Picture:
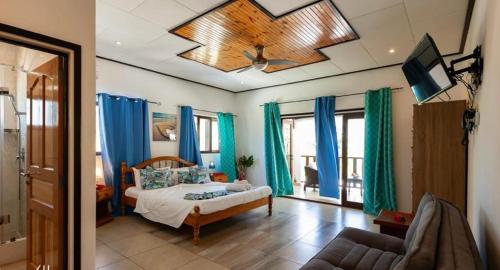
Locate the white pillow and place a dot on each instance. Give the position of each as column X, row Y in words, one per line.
column 137, row 177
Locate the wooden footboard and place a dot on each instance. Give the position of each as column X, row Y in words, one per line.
column 196, row 220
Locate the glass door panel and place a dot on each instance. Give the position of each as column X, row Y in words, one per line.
column 353, row 156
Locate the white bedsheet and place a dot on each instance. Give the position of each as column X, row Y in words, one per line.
column 167, row 205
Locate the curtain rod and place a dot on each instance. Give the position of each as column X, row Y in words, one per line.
column 339, row 96
column 200, row 110
column 117, row 96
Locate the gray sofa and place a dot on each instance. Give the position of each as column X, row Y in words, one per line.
column 438, row 238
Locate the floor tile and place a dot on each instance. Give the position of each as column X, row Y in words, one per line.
column 217, row 249
column 202, row 264
column 106, row 255
column 164, row 257
column 267, row 242
column 322, row 235
column 272, row 262
column 298, row 252
column 136, row 244
column 14, row 266
column 240, row 257
column 122, row 265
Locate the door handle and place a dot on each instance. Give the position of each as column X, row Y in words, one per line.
column 29, row 174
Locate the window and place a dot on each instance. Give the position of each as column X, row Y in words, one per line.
column 208, row 133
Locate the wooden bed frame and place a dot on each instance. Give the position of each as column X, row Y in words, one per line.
column 194, row 219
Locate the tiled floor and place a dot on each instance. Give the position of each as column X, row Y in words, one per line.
column 14, row 266
column 354, row 195
column 296, row 231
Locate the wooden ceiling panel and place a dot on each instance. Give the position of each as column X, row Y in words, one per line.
column 239, row 25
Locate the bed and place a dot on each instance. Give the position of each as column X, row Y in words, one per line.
column 200, row 214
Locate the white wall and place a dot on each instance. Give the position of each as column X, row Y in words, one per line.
column 484, row 149
column 120, row 79
column 74, row 21
column 251, row 122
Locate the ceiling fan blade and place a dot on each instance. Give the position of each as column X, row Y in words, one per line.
column 245, row 69
column 281, row 62
column 248, row 55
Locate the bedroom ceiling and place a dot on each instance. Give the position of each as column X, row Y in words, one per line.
column 226, row 32
column 136, row 32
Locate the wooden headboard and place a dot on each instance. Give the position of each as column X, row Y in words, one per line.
column 157, row 162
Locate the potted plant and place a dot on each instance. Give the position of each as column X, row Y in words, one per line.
column 244, row 163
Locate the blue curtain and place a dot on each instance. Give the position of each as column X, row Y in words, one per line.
column 227, row 148
column 188, row 143
column 327, row 153
column 378, row 186
column 124, row 127
column 277, row 172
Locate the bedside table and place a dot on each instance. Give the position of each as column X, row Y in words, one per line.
column 218, row 177
column 388, row 224
column 103, row 197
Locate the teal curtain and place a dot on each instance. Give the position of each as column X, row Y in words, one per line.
column 277, row 173
column 379, row 188
column 226, row 147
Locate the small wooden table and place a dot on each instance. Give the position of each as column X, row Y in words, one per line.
column 103, row 197
column 389, row 225
column 218, row 177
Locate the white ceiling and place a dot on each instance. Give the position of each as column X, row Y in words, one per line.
column 141, row 26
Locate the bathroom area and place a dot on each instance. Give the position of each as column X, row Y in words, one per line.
column 17, row 70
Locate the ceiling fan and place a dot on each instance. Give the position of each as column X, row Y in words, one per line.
column 261, row 63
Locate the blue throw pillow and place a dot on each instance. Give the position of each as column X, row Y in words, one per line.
column 154, row 179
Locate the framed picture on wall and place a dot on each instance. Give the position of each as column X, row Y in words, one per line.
column 164, row 127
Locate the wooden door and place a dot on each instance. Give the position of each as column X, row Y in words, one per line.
column 439, row 158
column 46, row 229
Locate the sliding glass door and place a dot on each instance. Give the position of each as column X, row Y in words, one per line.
column 300, row 145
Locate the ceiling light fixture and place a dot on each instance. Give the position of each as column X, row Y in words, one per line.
column 119, row 43
column 392, row 51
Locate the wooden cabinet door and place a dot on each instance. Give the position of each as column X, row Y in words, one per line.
column 45, row 167
column 439, row 158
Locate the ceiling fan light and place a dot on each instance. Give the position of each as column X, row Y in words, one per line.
column 260, row 66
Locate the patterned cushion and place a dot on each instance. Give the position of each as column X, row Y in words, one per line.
column 200, row 175
column 154, row 179
column 184, row 177
column 194, row 176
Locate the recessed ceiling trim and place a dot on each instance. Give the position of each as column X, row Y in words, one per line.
column 164, row 74
column 336, row 75
column 323, row 12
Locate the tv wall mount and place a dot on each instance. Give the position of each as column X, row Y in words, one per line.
column 470, row 77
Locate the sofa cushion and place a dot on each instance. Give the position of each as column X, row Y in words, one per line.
column 413, row 226
column 358, row 249
column 422, row 248
column 457, row 248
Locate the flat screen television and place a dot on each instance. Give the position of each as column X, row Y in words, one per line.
column 426, row 71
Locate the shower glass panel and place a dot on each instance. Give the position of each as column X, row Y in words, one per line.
column 12, row 188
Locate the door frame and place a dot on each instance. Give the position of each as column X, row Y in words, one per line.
column 71, row 52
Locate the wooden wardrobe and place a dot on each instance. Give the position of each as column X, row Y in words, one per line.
column 439, row 158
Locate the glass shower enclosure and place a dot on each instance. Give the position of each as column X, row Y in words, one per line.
column 12, row 182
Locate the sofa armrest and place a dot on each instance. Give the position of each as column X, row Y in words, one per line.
column 373, row 240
